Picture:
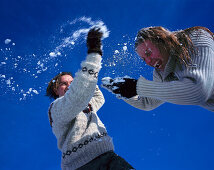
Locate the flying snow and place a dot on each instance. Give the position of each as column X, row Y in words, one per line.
column 7, row 41
column 110, row 84
column 76, row 35
column 20, row 72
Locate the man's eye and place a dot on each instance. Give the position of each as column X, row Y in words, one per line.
column 63, row 83
column 148, row 53
column 143, row 58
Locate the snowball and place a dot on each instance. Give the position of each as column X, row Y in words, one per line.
column 52, row 54
column 124, row 48
column 8, row 82
column 106, row 80
column 2, row 76
column 35, row 91
column 119, row 80
column 7, row 41
column 116, row 52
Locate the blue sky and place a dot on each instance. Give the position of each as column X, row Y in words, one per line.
column 171, row 137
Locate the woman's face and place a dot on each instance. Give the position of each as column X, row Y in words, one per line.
column 151, row 55
column 64, row 83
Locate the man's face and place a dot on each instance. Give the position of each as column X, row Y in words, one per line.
column 64, row 83
column 151, row 55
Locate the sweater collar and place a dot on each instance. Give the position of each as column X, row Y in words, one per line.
column 170, row 67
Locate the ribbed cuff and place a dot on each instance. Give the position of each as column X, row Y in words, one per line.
column 94, row 57
column 92, row 62
column 140, row 86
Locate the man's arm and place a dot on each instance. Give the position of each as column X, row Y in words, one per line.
column 97, row 100
column 82, row 88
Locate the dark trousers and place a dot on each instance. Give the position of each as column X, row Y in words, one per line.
column 107, row 161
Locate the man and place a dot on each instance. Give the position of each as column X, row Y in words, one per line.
column 82, row 137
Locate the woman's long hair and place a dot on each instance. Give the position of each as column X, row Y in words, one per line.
column 176, row 44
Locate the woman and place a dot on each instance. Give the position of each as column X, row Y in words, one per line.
column 81, row 136
column 183, row 74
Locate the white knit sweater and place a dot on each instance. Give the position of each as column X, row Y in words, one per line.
column 178, row 84
column 81, row 136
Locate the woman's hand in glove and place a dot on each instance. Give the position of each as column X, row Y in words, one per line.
column 124, row 86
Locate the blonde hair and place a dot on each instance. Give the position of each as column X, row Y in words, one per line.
column 177, row 44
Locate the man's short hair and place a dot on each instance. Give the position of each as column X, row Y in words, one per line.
column 54, row 84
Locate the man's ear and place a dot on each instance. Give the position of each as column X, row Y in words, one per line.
column 55, row 91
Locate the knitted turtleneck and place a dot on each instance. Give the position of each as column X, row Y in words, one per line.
column 80, row 134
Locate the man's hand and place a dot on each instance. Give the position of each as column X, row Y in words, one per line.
column 94, row 41
column 124, row 86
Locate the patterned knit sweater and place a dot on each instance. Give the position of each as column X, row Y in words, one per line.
column 80, row 134
column 180, row 84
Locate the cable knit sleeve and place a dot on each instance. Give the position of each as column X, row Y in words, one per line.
column 195, row 84
column 97, row 100
column 80, row 91
column 146, row 103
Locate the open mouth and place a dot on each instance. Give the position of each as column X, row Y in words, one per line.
column 158, row 64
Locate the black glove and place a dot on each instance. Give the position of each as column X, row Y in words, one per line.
column 94, row 41
column 126, row 87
